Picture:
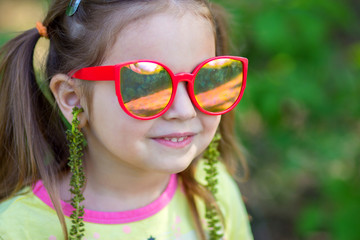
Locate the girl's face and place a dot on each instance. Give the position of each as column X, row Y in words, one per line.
column 166, row 144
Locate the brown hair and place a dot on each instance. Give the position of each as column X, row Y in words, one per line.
column 31, row 130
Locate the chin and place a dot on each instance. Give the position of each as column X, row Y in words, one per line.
column 176, row 166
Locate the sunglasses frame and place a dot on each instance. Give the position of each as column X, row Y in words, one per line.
column 112, row 73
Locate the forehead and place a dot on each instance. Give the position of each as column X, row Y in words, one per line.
column 165, row 37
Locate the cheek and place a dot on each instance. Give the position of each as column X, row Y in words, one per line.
column 106, row 113
column 110, row 120
column 211, row 123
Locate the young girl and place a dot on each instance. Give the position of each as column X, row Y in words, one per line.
column 140, row 83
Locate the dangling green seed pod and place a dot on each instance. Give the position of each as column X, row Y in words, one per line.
column 76, row 142
column 211, row 157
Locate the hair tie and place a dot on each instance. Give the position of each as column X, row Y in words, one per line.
column 42, row 30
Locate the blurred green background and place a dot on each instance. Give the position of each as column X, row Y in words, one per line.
column 299, row 119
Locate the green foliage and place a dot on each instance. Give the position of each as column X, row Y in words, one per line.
column 211, row 156
column 76, row 143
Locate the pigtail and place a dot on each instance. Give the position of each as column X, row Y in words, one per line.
column 31, row 133
column 17, row 80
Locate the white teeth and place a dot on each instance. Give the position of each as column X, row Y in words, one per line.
column 175, row 139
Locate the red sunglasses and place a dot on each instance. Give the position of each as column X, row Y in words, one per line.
column 146, row 89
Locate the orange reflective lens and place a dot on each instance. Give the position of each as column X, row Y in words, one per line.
column 218, row 84
column 146, row 88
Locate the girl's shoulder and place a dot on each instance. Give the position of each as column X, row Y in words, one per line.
column 13, row 204
column 20, row 213
column 13, row 210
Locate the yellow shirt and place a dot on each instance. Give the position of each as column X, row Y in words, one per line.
column 31, row 216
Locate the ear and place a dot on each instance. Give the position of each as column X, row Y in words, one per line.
column 67, row 96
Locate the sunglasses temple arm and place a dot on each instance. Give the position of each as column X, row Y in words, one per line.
column 100, row 73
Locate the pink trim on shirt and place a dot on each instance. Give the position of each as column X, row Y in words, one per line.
column 114, row 217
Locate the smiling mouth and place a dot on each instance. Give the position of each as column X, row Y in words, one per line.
column 177, row 140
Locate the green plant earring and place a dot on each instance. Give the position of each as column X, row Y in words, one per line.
column 211, row 157
column 76, row 143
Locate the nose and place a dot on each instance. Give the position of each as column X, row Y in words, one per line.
column 182, row 108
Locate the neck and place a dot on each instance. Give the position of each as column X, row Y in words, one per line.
column 114, row 187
